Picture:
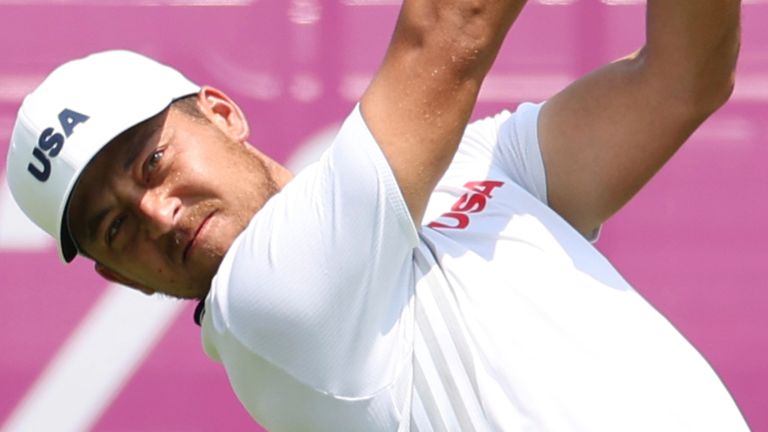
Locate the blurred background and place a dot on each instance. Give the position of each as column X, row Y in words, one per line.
column 79, row 354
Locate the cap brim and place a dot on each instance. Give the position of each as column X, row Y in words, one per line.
column 68, row 249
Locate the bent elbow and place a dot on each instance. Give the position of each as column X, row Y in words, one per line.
column 701, row 94
column 712, row 92
column 701, row 82
column 718, row 75
column 716, row 80
column 723, row 91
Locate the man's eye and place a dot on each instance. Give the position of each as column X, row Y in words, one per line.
column 114, row 228
column 152, row 162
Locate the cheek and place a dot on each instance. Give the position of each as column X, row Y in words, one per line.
column 153, row 272
column 223, row 231
column 234, row 183
column 205, row 178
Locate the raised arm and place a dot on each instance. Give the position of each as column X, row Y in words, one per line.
column 420, row 100
column 605, row 136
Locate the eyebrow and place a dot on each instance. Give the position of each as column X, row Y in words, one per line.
column 137, row 142
column 95, row 222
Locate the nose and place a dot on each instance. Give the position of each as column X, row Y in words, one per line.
column 158, row 211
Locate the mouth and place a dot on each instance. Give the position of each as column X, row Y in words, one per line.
column 193, row 240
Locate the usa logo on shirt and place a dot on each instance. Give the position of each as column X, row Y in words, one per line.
column 473, row 201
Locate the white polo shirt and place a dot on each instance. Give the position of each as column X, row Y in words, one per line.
column 332, row 312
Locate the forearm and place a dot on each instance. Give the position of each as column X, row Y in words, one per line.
column 420, row 100
column 607, row 134
column 468, row 33
column 694, row 45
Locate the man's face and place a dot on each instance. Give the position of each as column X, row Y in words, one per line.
column 160, row 207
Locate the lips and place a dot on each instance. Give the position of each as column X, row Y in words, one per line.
column 195, row 236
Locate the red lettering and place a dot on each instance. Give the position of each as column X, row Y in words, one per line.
column 473, row 203
column 462, row 221
column 483, row 187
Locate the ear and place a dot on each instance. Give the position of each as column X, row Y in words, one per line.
column 113, row 276
column 224, row 113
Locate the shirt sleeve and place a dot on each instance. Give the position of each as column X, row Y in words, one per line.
column 509, row 142
column 319, row 281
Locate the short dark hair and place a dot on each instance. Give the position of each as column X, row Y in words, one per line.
column 188, row 105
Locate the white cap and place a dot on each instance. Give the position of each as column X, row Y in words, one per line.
column 79, row 108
